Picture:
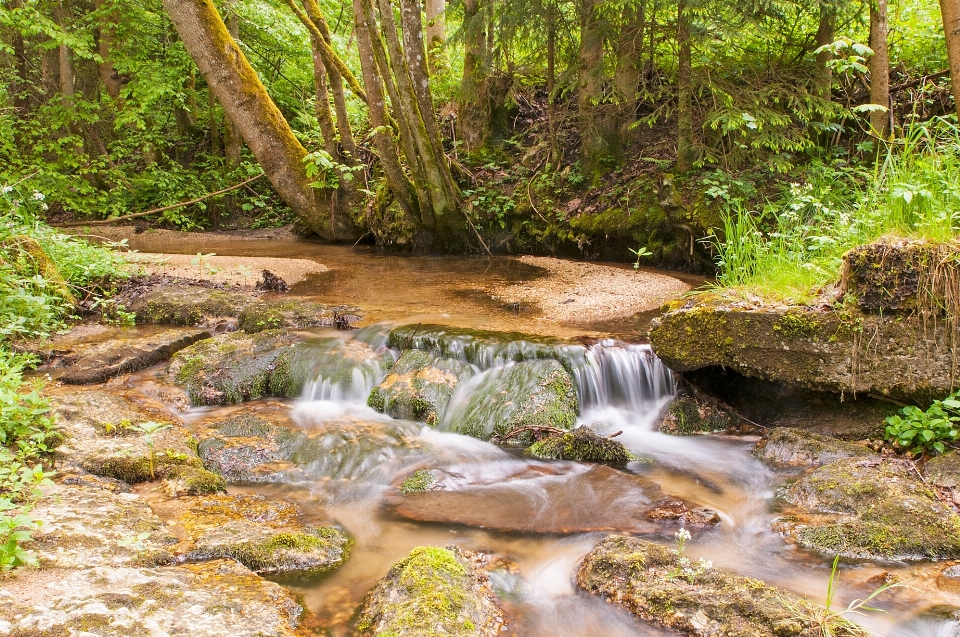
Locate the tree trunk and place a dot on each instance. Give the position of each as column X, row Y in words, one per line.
column 105, row 43
column 436, row 35
column 626, row 80
column 245, row 100
column 555, row 153
column 594, row 128
column 684, row 91
column 825, row 36
column 473, row 107
column 18, row 88
column 950, row 11
column 879, row 68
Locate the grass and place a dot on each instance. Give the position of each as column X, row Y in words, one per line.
column 793, row 248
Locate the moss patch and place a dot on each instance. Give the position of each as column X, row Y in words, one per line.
column 582, row 445
column 420, row 481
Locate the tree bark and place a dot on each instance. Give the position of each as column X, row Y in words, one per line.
column 879, row 68
column 473, row 107
column 593, row 141
column 626, row 80
column 950, row 11
column 825, row 36
column 436, row 35
column 232, row 141
column 112, row 81
column 684, row 91
column 244, row 98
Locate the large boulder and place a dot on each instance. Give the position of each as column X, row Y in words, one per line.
column 419, row 386
column 510, row 403
column 797, row 447
column 689, row 415
column 696, row 599
column 433, row 591
column 109, row 435
column 235, row 367
column 264, row 535
column 100, row 362
column 214, row 599
column 880, row 509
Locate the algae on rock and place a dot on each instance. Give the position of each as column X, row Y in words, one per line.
column 689, row 415
column 184, row 303
column 581, row 445
column 433, row 592
column 419, row 386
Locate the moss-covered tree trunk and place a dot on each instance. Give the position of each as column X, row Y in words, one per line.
column 950, row 11
column 879, row 67
column 684, row 90
column 473, row 103
column 825, row 36
column 626, row 80
column 436, row 35
column 595, row 127
column 245, row 100
column 105, row 42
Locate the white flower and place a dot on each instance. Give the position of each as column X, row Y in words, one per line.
column 44, row 206
column 5, row 189
column 683, row 535
column 38, row 195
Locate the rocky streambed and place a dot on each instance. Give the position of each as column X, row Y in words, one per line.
column 236, row 466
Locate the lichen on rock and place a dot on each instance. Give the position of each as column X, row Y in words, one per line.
column 433, row 592
column 419, row 386
column 648, row 580
column 879, row 509
column 581, row 445
column 292, row 314
column 797, row 447
column 172, row 303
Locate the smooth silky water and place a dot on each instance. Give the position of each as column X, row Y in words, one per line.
column 621, row 387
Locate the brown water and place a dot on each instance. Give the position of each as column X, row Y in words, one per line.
column 542, row 517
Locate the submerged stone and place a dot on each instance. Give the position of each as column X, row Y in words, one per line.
column 105, row 434
column 419, row 386
column 880, row 510
column 582, row 445
column 798, row 447
column 650, row 581
column 689, row 415
column 101, row 362
column 508, row 403
column 213, row 599
column 433, row 592
column 687, row 515
column 262, row 534
column 236, row 367
column 484, row 348
column 294, row 314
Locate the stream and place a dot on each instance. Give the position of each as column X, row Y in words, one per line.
column 543, row 517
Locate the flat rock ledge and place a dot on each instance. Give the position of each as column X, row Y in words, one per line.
column 433, row 591
column 648, row 580
column 797, row 447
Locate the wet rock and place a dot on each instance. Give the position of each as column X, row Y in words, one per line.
column 97, row 482
column 270, row 282
column 419, row 386
column 86, row 526
column 245, row 447
column 101, row 362
column 433, row 591
column 235, row 367
column 336, row 369
column 292, row 314
column 905, row 357
column 647, row 579
column 798, row 447
column 581, row 445
column 944, row 470
column 420, row 481
column 509, row 402
column 689, row 415
column 484, row 348
column 879, row 510
column 686, row 514
column 192, row 481
column 214, row 599
column 949, row 579
column 262, row 534
column 536, row 498
column 104, row 435
column 172, row 303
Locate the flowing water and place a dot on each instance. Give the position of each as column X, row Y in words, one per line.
column 543, row 517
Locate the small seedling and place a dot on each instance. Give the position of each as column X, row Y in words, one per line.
column 198, row 261
column 150, row 428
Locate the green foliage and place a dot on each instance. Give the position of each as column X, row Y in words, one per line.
column 149, row 429
column 929, row 431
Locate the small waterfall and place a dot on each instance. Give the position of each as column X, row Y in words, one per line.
column 352, row 386
column 614, row 374
column 342, row 371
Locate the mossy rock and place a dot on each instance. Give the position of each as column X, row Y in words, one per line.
column 885, row 276
column 101, row 436
column 419, row 386
column 184, row 304
column 944, row 470
column 581, row 445
column 261, row 534
column 433, row 592
column 235, row 367
column 797, row 447
column 292, row 314
column 648, row 580
column 193, row 481
column 689, row 415
column 881, row 510
column 484, row 348
column 420, row 481
column 519, row 396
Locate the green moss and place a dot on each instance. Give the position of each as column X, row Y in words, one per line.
column 581, row 445
column 198, row 481
column 797, row 324
column 420, row 481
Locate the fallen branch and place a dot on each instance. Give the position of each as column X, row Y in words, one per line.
column 135, row 215
column 517, row 432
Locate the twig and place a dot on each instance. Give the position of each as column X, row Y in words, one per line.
column 516, row 432
column 105, row 222
column 479, row 238
column 614, row 435
column 404, row 350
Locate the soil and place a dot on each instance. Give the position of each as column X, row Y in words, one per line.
column 234, row 271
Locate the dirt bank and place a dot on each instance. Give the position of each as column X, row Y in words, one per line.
column 241, row 271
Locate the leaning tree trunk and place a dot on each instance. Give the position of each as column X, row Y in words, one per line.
column 950, row 10
column 684, row 91
column 245, row 100
column 879, row 68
